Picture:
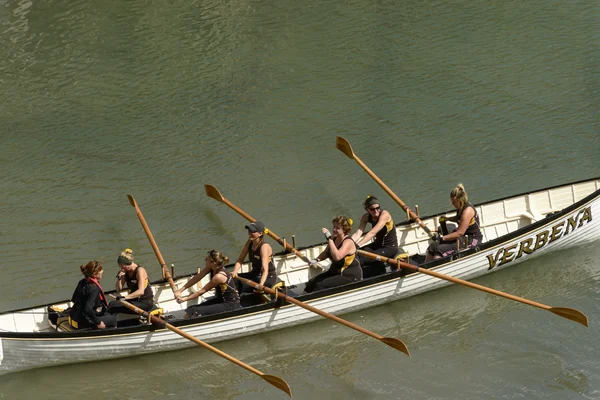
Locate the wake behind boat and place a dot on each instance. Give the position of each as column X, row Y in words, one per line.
column 515, row 229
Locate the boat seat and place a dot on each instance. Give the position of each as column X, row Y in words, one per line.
column 63, row 325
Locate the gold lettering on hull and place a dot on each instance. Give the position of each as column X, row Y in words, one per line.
column 507, row 254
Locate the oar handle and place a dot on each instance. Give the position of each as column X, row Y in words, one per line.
column 159, row 256
column 396, row 343
column 274, row 380
column 573, row 315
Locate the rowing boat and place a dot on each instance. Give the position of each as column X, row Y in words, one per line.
column 515, row 229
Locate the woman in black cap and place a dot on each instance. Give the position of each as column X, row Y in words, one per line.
column 135, row 278
column 383, row 233
column 226, row 295
column 89, row 303
column 260, row 255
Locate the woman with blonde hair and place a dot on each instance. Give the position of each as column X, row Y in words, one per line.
column 135, row 278
column 341, row 249
column 468, row 231
column 89, row 302
column 226, row 296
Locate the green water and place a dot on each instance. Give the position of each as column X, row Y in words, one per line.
column 104, row 99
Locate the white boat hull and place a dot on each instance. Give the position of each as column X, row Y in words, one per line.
column 27, row 340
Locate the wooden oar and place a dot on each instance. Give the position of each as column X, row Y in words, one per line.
column 344, row 146
column 392, row 342
column 213, row 192
column 272, row 379
column 159, row 256
column 568, row 313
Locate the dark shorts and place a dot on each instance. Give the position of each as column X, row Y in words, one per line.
column 446, row 248
column 242, row 288
column 212, row 306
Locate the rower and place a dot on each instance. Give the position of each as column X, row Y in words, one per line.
column 226, row 298
column 260, row 254
column 383, row 233
column 468, row 231
column 135, row 278
column 341, row 249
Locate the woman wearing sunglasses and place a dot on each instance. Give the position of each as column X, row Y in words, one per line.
column 226, row 296
column 383, row 233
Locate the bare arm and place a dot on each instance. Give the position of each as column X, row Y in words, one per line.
column 195, row 279
column 216, row 280
column 141, row 278
column 240, row 260
column 361, row 228
column 463, row 224
column 265, row 256
column 384, row 218
column 348, row 247
column 120, row 281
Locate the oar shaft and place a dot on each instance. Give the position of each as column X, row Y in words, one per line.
column 213, row 192
column 345, row 147
column 286, row 245
column 393, row 195
column 316, row 310
column 581, row 318
column 159, row 256
column 207, row 346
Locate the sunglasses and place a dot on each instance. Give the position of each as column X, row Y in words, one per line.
column 376, row 208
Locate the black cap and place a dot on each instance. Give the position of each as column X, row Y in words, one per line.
column 256, row 226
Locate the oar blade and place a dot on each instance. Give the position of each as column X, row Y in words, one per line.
column 397, row 344
column 213, row 192
column 570, row 313
column 278, row 383
column 131, row 200
column 344, row 146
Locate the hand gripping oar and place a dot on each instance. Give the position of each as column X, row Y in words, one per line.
column 272, row 379
column 344, row 146
column 392, row 342
column 212, row 191
column 159, row 256
column 568, row 313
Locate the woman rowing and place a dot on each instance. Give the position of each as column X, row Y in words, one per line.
column 341, row 249
column 135, row 278
column 226, row 295
column 383, row 234
column 468, row 231
column 89, row 302
column 260, row 255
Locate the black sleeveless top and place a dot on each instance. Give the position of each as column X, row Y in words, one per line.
column 226, row 292
column 386, row 237
column 133, row 285
column 473, row 230
column 347, row 266
column 256, row 260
